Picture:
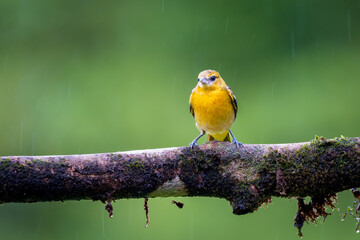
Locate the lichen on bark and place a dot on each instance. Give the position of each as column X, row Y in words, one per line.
column 246, row 176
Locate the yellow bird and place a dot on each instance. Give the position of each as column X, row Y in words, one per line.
column 214, row 107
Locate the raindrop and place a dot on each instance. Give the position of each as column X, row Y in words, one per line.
column 191, row 223
column 292, row 43
column 103, row 222
column 173, row 89
column 39, row 225
column 69, row 89
column 317, row 39
column 272, row 89
column 33, row 144
column 21, row 135
column 226, row 26
column 349, row 24
column 277, row 233
column 5, row 62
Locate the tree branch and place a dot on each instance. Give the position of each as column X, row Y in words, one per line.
column 246, row 177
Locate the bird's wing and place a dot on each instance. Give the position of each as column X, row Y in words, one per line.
column 191, row 108
column 232, row 100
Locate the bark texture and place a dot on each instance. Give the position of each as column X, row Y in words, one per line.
column 246, row 177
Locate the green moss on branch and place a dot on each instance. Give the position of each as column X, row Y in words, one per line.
column 247, row 177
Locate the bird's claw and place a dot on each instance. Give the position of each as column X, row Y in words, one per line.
column 239, row 144
column 192, row 144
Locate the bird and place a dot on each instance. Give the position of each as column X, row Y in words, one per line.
column 214, row 107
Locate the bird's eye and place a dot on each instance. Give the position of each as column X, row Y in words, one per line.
column 212, row 78
column 198, row 79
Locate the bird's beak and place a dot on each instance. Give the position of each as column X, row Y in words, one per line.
column 204, row 81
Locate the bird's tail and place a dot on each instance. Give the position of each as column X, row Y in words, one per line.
column 226, row 139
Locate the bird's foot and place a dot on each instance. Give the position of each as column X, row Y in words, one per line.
column 193, row 143
column 239, row 144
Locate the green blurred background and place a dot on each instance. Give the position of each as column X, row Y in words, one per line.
column 91, row 77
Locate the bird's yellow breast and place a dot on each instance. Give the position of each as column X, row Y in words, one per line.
column 213, row 111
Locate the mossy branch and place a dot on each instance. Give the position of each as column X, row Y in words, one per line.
column 246, row 177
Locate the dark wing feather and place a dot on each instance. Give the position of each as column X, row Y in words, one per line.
column 191, row 108
column 192, row 111
column 232, row 100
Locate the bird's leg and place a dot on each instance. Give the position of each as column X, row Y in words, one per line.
column 238, row 144
column 194, row 142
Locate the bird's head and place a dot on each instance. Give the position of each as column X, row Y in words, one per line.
column 210, row 79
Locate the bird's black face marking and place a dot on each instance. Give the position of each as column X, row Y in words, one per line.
column 212, row 78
